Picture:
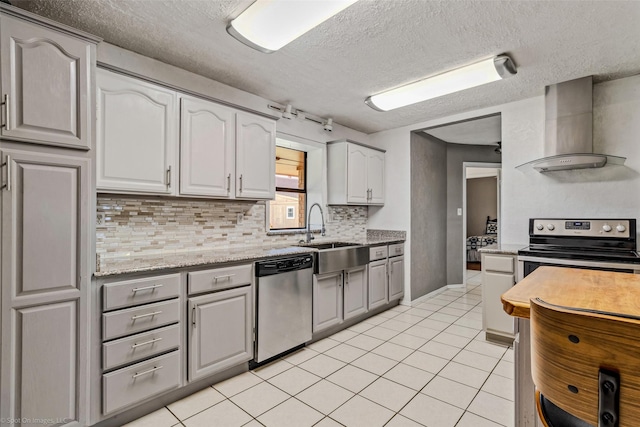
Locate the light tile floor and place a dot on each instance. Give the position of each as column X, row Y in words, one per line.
column 424, row 365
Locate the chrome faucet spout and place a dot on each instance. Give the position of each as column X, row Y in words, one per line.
column 309, row 236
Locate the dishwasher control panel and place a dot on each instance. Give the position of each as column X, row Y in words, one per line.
column 282, row 265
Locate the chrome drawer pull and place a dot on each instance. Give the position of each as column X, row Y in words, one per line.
column 139, row 374
column 140, row 316
column 227, row 277
column 228, row 183
column 146, row 342
column 7, row 116
column 146, row 288
column 379, row 253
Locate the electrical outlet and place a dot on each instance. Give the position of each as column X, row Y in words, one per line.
column 459, row 211
column 100, row 218
column 239, row 218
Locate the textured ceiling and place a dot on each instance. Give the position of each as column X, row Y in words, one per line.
column 375, row 45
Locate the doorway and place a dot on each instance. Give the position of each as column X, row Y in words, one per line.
column 481, row 210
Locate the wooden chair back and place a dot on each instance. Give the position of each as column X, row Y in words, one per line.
column 569, row 347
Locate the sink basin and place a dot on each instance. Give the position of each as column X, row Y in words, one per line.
column 338, row 256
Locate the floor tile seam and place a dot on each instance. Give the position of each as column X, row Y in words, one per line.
column 327, row 416
column 300, row 401
column 476, row 367
column 176, row 417
column 386, row 407
column 484, row 418
column 292, row 395
column 239, row 407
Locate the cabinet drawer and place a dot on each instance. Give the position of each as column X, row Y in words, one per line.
column 219, row 278
column 498, row 263
column 137, row 347
column 396, row 249
column 129, row 321
column 140, row 291
column 138, row 382
column 378, row 252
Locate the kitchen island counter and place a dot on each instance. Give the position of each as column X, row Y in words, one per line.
column 605, row 291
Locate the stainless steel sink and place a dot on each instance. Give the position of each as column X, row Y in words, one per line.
column 338, row 256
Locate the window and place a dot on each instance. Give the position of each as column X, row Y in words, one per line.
column 288, row 208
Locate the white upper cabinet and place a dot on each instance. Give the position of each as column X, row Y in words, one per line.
column 222, row 152
column 255, row 157
column 137, row 136
column 46, row 83
column 207, row 144
column 355, row 174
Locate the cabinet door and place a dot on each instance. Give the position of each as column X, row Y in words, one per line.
column 375, row 177
column 221, row 331
column 396, row 278
column 46, row 81
column 355, row 292
column 207, row 143
column 255, row 157
column 45, row 275
column 494, row 317
column 137, row 136
column 357, row 174
column 378, row 292
column 327, row 300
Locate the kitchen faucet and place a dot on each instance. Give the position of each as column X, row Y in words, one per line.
column 309, row 236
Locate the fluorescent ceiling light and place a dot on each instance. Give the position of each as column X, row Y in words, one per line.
column 477, row 74
column 267, row 25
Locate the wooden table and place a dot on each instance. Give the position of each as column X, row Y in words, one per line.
column 572, row 287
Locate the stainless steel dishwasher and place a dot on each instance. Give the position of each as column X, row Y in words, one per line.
column 283, row 305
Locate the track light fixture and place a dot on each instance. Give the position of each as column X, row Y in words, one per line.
column 288, row 112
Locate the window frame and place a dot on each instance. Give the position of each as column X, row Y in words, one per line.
column 295, row 190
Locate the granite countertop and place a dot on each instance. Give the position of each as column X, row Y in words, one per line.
column 135, row 263
column 504, row 249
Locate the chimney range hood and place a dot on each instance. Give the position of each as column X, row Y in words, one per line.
column 569, row 129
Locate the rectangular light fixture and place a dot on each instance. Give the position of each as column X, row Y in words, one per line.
column 479, row 73
column 268, row 25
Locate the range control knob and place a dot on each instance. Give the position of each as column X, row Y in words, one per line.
column 606, row 228
column 621, row 228
column 551, row 227
column 539, row 226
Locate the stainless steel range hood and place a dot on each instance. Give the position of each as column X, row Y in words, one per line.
column 569, row 129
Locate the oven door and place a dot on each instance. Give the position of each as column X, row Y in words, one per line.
column 527, row 264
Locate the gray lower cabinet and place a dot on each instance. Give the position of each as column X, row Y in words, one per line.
column 45, row 268
column 141, row 339
column 327, row 300
column 396, row 277
column 220, row 331
column 355, row 292
column 378, row 290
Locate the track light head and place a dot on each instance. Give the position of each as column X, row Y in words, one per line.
column 328, row 125
column 287, row 113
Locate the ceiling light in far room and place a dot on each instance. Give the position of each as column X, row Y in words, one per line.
column 287, row 114
column 328, row 125
column 268, row 25
column 479, row 73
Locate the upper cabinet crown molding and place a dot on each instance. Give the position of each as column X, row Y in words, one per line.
column 356, row 173
column 47, row 81
column 222, row 152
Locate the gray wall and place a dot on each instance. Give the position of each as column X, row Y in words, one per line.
column 482, row 201
column 457, row 154
column 428, row 214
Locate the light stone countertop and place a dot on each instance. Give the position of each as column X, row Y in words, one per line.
column 135, row 263
column 504, row 249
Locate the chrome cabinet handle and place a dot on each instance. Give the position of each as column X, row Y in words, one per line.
column 141, row 316
column 7, row 115
column 227, row 277
column 228, row 183
column 169, row 177
column 136, row 345
column 241, row 183
column 8, row 164
column 193, row 316
column 146, row 288
column 139, row 374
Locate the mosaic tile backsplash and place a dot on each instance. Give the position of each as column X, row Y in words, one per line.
column 129, row 225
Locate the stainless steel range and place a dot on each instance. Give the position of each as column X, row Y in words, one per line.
column 597, row 244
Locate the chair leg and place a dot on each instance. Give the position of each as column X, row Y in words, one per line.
column 539, row 409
